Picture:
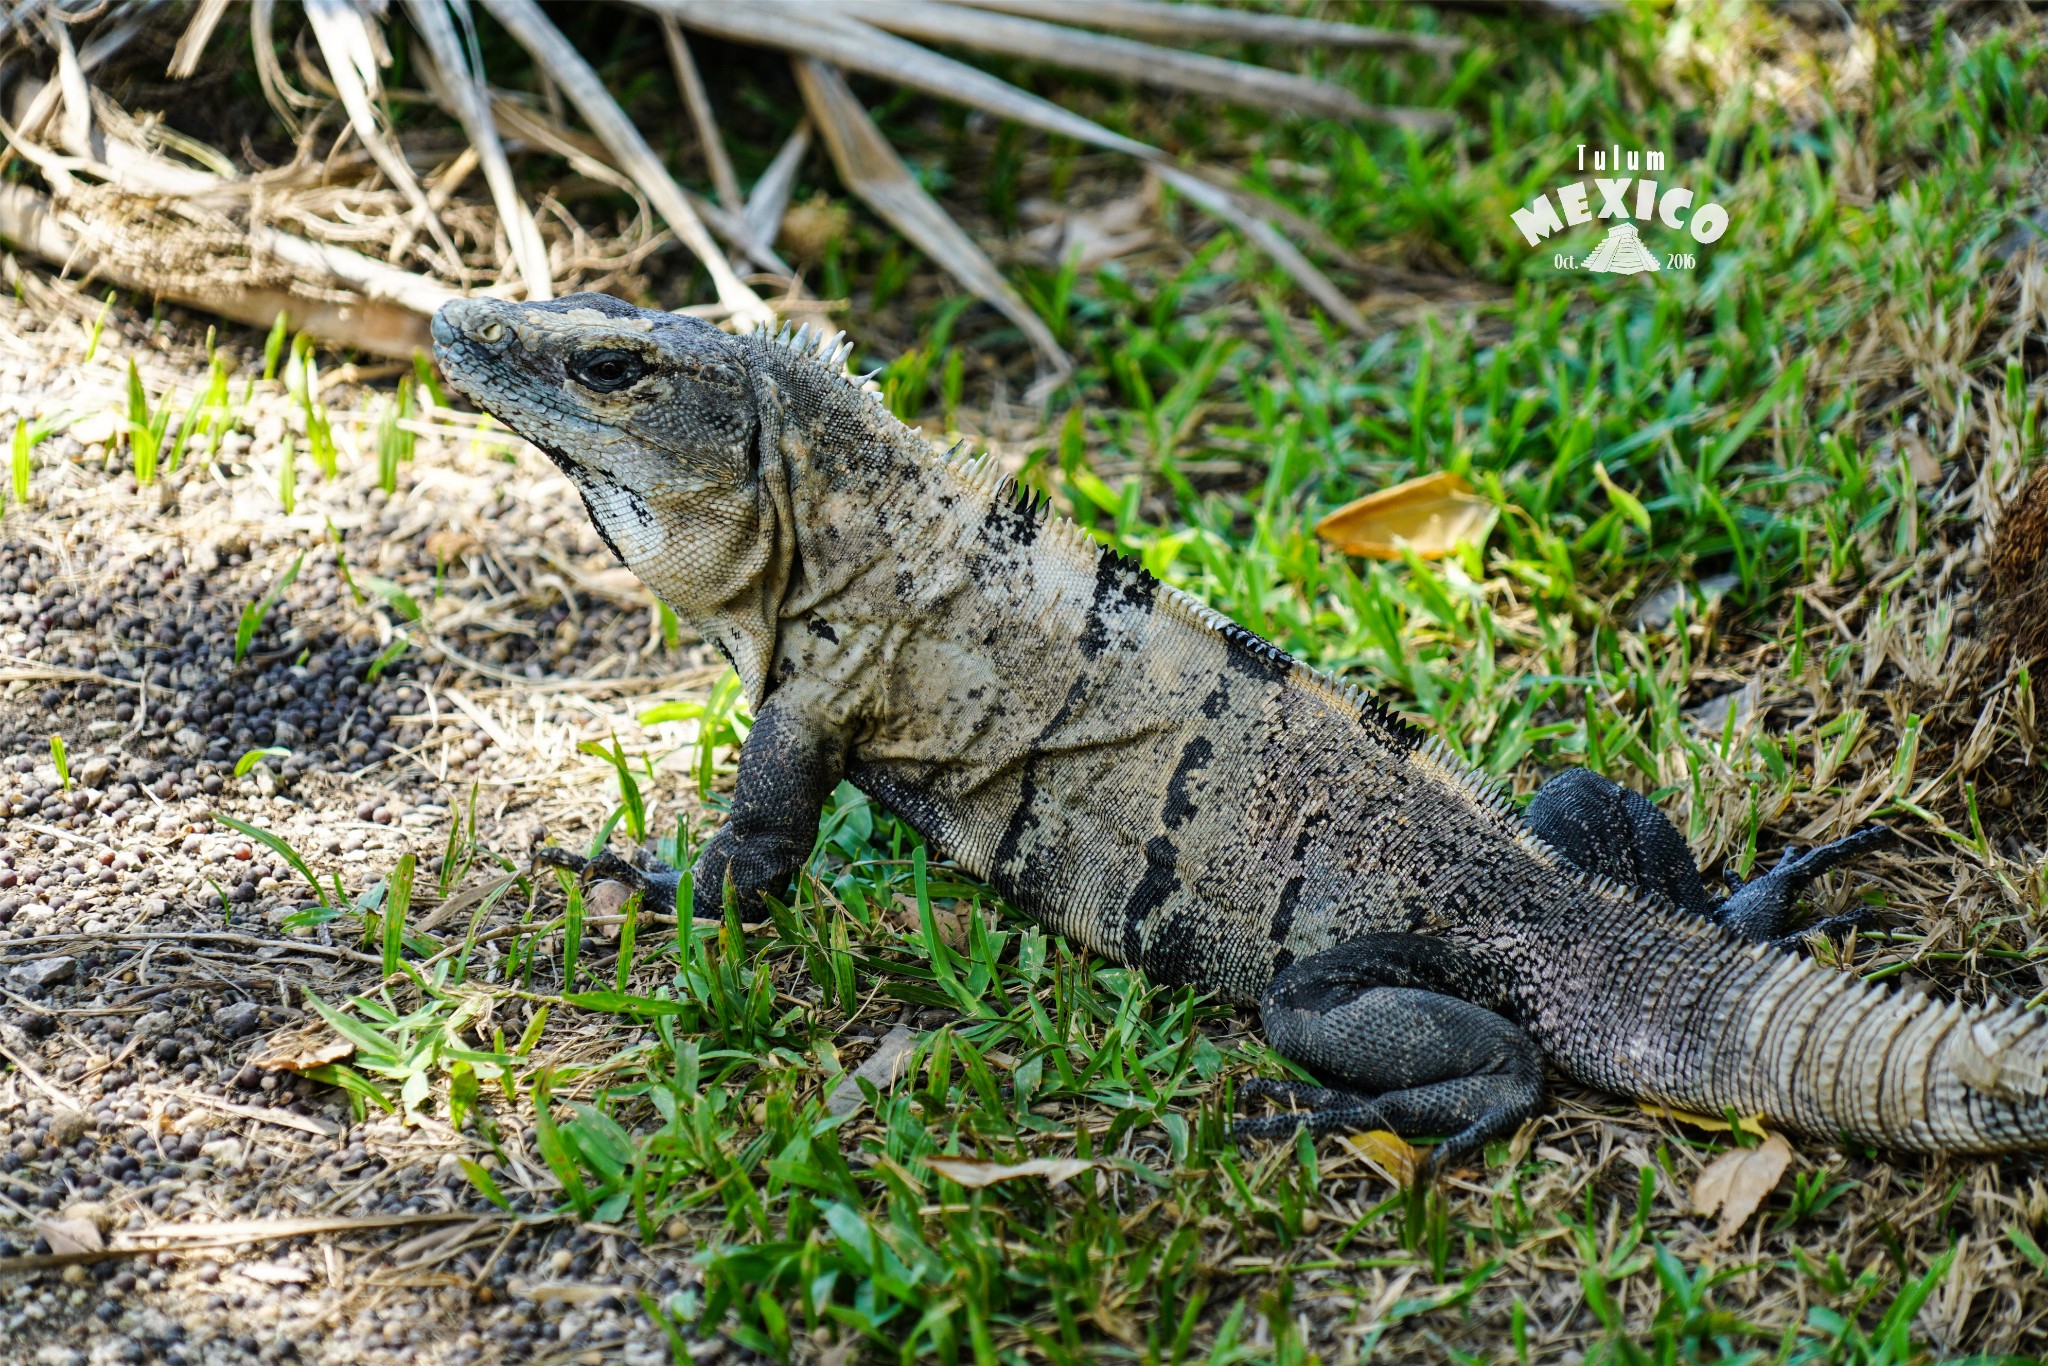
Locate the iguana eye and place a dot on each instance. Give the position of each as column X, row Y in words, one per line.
column 607, row 371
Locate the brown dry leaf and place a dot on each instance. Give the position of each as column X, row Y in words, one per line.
column 1090, row 237
column 950, row 921
column 974, row 1172
column 880, row 1069
column 1435, row 515
column 70, row 1235
column 1921, row 460
column 449, row 546
column 301, row 1048
column 1749, row 1124
column 1737, row 1181
column 1387, row 1153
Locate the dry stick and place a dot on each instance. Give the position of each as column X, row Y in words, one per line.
column 830, row 39
column 37, row 1079
column 343, row 36
column 284, row 1119
column 769, row 199
column 554, row 54
column 722, row 178
column 1125, row 59
column 1182, row 22
column 869, row 167
column 201, row 936
column 382, row 321
column 234, row 1233
column 460, row 88
column 185, row 57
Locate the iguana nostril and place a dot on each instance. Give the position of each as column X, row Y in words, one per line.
column 491, row 332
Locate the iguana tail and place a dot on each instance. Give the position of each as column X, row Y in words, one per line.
column 1717, row 1024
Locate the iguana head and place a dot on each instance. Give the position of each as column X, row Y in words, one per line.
column 670, row 430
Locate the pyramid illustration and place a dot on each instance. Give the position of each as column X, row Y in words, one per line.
column 1622, row 252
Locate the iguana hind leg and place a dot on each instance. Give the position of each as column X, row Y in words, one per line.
column 1605, row 828
column 1370, row 1017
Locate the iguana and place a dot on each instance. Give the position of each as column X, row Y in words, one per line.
column 1135, row 771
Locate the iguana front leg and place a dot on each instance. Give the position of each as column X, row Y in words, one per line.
column 1605, row 828
column 1371, row 1018
column 791, row 761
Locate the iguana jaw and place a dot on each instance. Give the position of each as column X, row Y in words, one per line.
column 657, row 419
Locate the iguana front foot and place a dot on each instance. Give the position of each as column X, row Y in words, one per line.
column 1371, row 1016
column 658, row 885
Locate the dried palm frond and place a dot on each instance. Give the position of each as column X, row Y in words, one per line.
column 92, row 165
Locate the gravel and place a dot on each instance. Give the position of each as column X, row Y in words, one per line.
column 151, row 949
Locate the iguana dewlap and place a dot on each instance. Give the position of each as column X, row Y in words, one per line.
column 1142, row 775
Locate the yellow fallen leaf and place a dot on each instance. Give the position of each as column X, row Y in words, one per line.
column 974, row 1172
column 1737, row 1181
column 1749, row 1124
column 1434, row 515
column 1387, row 1153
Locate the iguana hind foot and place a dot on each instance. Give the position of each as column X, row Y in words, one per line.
column 1764, row 907
column 1603, row 827
column 1399, row 1055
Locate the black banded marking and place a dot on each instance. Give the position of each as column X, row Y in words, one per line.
column 1290, row 895
column 1154, row 889
column 590, row 510
column 1121, row 585
column 1253, row 655
column 1180, row 807
column 821, row 628
column 1025, row 818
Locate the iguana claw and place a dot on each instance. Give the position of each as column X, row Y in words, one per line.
column 656, row 886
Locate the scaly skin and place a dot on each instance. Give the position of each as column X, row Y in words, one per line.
column 1136, row 772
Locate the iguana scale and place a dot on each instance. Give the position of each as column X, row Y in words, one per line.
column 1142, row 775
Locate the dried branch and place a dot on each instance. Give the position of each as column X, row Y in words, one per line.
column 389, row 322
column 460, row 87
column 554, row 54
column 698, row 103
column 1128, row 60
column 872, row 170
column 185, row 57
column 1183, row 22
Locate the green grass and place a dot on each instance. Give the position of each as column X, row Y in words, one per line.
column 1739, row 423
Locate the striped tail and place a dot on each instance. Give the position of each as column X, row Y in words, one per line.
column 1767, row 1032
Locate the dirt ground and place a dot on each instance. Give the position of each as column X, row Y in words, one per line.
column 143, row 955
